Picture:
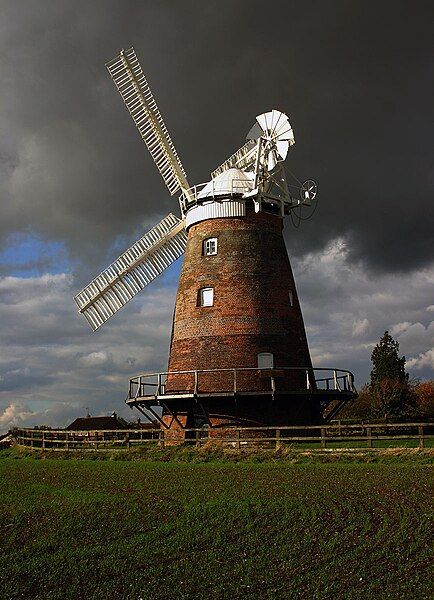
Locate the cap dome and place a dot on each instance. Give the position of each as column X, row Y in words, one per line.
column 231, row 181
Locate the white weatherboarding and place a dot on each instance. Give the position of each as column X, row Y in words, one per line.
column 252, row 173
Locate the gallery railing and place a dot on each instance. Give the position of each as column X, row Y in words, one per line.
column 272, row 380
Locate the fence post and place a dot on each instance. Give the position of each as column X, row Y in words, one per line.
column 273, row 387
column 421, row 440
column 278, row 444
column 323, row 438
column 161, row 438
column 43, row 440
column 368, row 437
column 238, row 439
column 127, row 440
column 197, row 435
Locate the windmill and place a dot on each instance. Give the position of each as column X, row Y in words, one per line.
column 239, row 351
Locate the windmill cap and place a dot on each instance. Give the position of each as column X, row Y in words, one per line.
column 231, row 181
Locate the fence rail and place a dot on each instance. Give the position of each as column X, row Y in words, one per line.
column 319, row 436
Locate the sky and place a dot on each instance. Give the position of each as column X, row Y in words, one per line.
column 77, row 185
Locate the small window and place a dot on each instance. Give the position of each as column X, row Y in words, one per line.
column 206, row 296
column 291, row 298
column 210, row 247
column 265, row 360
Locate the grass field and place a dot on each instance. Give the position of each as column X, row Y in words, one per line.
column 73, row 529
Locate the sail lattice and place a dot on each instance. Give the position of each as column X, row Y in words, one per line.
column 130, row 80
column 132, row 271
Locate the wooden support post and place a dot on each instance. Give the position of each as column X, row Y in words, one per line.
column 368, row 437
column 323, row 438
column 421, row 438
column 278, row 444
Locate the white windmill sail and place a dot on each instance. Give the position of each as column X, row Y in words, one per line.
column 128, row 76
column 279, row 135
column 275, row 130
column 132, row 271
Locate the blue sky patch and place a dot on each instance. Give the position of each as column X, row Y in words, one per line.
column 27, row 255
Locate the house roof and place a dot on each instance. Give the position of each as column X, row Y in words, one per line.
column 97, row 423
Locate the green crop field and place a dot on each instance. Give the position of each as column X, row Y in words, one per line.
column 108, row 529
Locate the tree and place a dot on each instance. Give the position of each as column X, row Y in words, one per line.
column 425, row 399
column 360, row 408
column 392, row 394
column 386, row 362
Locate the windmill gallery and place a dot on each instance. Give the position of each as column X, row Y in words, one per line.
column 239, row 353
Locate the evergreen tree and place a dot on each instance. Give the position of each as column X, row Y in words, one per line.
column 390, row 389
column 386, row 362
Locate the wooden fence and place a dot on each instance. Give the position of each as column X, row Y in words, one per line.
column 369, row 435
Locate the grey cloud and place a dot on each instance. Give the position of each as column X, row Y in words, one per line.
column 40, row 265
column 53, row 364
column 346, row 310
column 417, row 336
column 425, row 360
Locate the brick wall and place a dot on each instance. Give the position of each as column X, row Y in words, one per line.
column 256, row 307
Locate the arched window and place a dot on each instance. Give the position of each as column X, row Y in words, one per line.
column 210, row 247
column 265, row 360
column 206, row 297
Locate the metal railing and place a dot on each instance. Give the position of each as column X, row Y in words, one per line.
column 228, row 381
column 217, row 191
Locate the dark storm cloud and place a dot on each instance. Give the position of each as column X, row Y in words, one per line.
column 355, row 78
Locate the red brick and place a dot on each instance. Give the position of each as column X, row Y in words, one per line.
column 252, row 313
